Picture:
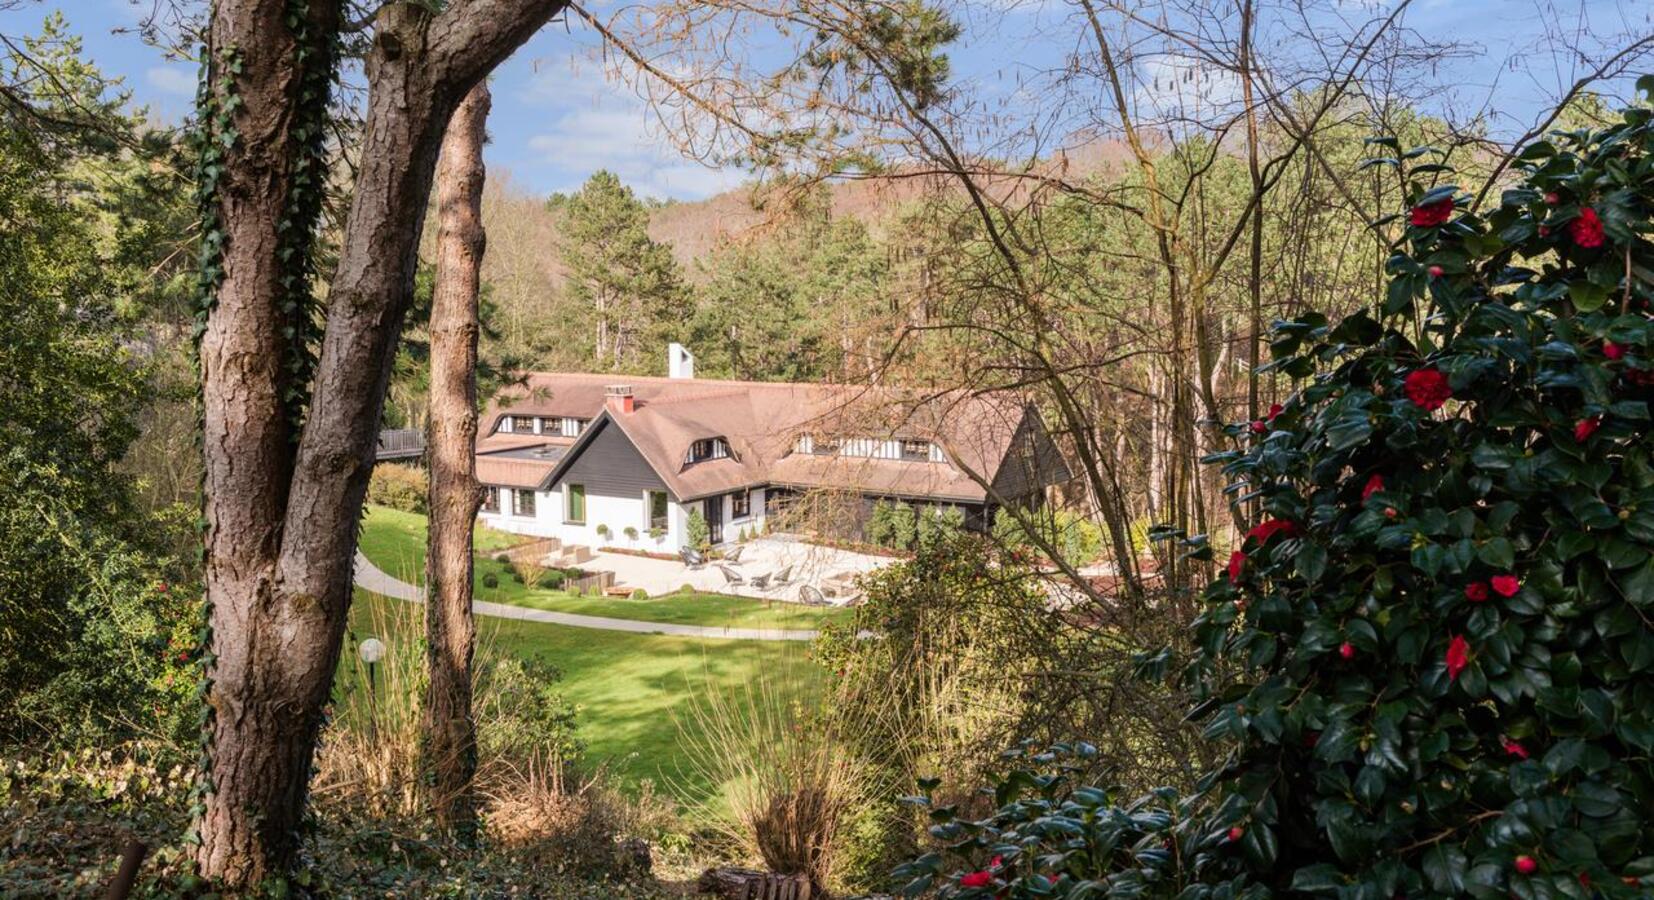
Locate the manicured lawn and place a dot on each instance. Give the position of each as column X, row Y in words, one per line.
column 395, row 542
column 635, row 692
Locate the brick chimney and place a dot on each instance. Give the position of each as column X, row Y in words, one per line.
column 619, row 400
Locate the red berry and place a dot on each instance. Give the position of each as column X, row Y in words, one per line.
column 1346, row 650
column 1236, row 833
column 1435, row 271
column 1390, row 512
column 1526, row 864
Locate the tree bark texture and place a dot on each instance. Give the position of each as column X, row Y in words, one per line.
column 282, row 518
column 450, row 753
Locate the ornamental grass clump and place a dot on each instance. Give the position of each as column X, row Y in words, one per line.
column 1433, row 655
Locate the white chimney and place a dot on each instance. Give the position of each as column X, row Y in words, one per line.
column 680, row 363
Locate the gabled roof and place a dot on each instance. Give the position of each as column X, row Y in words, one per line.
column 761, row 421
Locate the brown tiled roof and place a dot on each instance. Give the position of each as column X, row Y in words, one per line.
column 762, row 421
column 512, row 472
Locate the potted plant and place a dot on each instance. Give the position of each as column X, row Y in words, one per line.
column 604, row 532
column 631, row 535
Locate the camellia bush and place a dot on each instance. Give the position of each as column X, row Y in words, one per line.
column 1433, row 654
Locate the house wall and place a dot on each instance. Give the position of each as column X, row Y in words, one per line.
column 752, row 522
column 617, row 482
column 546, row 521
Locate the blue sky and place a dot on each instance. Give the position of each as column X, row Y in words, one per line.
column 556, row 118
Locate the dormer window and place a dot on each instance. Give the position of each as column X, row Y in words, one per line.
column 916, row 451
column 705, row 449
column 521, row 424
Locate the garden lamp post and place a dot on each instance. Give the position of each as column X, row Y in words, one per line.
column 371, row 651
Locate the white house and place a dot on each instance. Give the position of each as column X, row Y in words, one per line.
column 618, row 461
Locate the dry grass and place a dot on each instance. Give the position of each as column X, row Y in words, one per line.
column 789, row 785
column 531, row 798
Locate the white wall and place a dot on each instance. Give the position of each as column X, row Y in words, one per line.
column 615, row 512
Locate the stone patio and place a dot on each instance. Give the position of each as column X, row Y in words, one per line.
column 825, row 568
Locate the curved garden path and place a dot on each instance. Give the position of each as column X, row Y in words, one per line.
column 371, row 578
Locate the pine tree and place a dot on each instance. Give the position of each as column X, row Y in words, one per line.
column 629, row 282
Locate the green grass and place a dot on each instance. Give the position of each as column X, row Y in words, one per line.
column 395, row 542
column 634, row 691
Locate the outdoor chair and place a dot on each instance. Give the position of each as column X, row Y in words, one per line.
column 810, row 596
column 760, row 581
column 733, row 554
column 783, row 577
column 731, row 576
column 692, row 557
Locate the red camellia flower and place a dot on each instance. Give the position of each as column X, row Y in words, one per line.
column 996, row 862
column 1237, row 565
column 1587, row 427
column 1515, row 750
column 1431, row 215
column 1475, row 592
column 1613, row 350
column 1374, row 485
column 1506, row 585
column 1526, row 864
column 1427, row 388
column 1263, row 531
column 1274, row 410
column 1458, row 656
column 976, row 879
column 1258, row 426
column 1586, row 230
column 1346, row 650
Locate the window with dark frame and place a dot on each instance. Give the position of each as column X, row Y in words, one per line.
column 522, row 424
column 916, row 450
column 707, row 448
column 576, row 512
column 524, row 502
column 740, row 504
column 657, row 510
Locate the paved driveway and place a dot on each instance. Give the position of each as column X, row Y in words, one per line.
column 371, row 578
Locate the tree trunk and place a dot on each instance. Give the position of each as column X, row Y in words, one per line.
column 450, row 752
column 281, row 526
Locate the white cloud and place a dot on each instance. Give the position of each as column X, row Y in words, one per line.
column 606, row 126
column 176, row 80
column 1177, row 88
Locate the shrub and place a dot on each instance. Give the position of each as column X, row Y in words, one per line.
column 937, row 524
column 490, row 580
column 604, row 532
column 696, row 532
column 1077, row 539
column 528, row 570
column 638, row 594
column 791, row 786
column 877, row 530
column 631, row 533
column 657, row 533
column 904, row 529
column 1431, row 656
column 398, row 486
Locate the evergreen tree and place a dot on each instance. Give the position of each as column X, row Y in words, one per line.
column 628, row 284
